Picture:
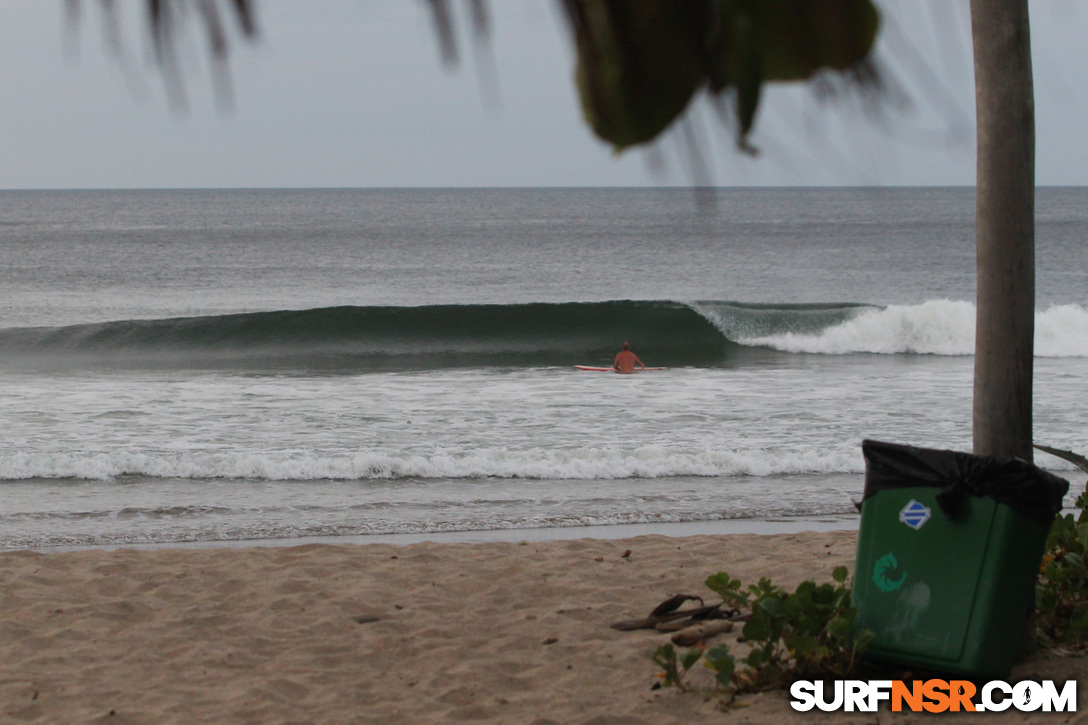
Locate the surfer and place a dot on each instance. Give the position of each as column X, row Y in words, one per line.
column 626, row 360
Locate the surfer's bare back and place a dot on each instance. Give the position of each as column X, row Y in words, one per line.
column 626, row 360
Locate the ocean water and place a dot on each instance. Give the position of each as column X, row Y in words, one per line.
column 199, row 366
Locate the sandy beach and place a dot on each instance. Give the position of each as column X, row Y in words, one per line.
column 381, row 633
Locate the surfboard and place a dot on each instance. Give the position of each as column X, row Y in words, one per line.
column 591, row 368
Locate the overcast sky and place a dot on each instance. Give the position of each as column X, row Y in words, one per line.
column 352, row 93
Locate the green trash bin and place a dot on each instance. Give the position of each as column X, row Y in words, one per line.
column 948, row 553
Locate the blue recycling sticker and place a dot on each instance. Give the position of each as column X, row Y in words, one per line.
column 915, row 514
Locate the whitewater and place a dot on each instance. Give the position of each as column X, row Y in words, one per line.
column 936, row 327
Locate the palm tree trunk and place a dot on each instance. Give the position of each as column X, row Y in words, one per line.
column 1005, row 106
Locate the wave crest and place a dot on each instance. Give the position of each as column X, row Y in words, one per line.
column 936, row 327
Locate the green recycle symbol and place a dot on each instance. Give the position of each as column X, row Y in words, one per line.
column 884, row 565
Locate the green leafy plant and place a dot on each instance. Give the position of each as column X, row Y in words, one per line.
column 792, row 635
column 795, row 634
column 1061, row 591
column 673, row 666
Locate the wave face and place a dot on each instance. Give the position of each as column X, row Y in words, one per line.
column 707, row 333
column 350, row 338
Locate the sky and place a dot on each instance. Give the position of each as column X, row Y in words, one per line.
column 353, row 93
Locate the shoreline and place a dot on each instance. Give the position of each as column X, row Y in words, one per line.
column 722, row 527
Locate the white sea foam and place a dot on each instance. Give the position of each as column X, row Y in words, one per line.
column 574, row 464
column 936, row 327
column 1062, row 331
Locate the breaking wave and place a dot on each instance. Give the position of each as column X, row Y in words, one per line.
column 704, row 333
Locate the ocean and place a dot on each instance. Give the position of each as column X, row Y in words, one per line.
column 353, row 365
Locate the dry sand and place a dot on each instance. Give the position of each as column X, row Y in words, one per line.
column 380, row 633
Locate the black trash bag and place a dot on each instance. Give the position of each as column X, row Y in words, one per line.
column 1028, row 489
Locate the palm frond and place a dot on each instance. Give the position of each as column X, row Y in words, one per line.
column 1075, row 458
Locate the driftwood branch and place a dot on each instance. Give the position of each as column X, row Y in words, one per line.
column 701, row 632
